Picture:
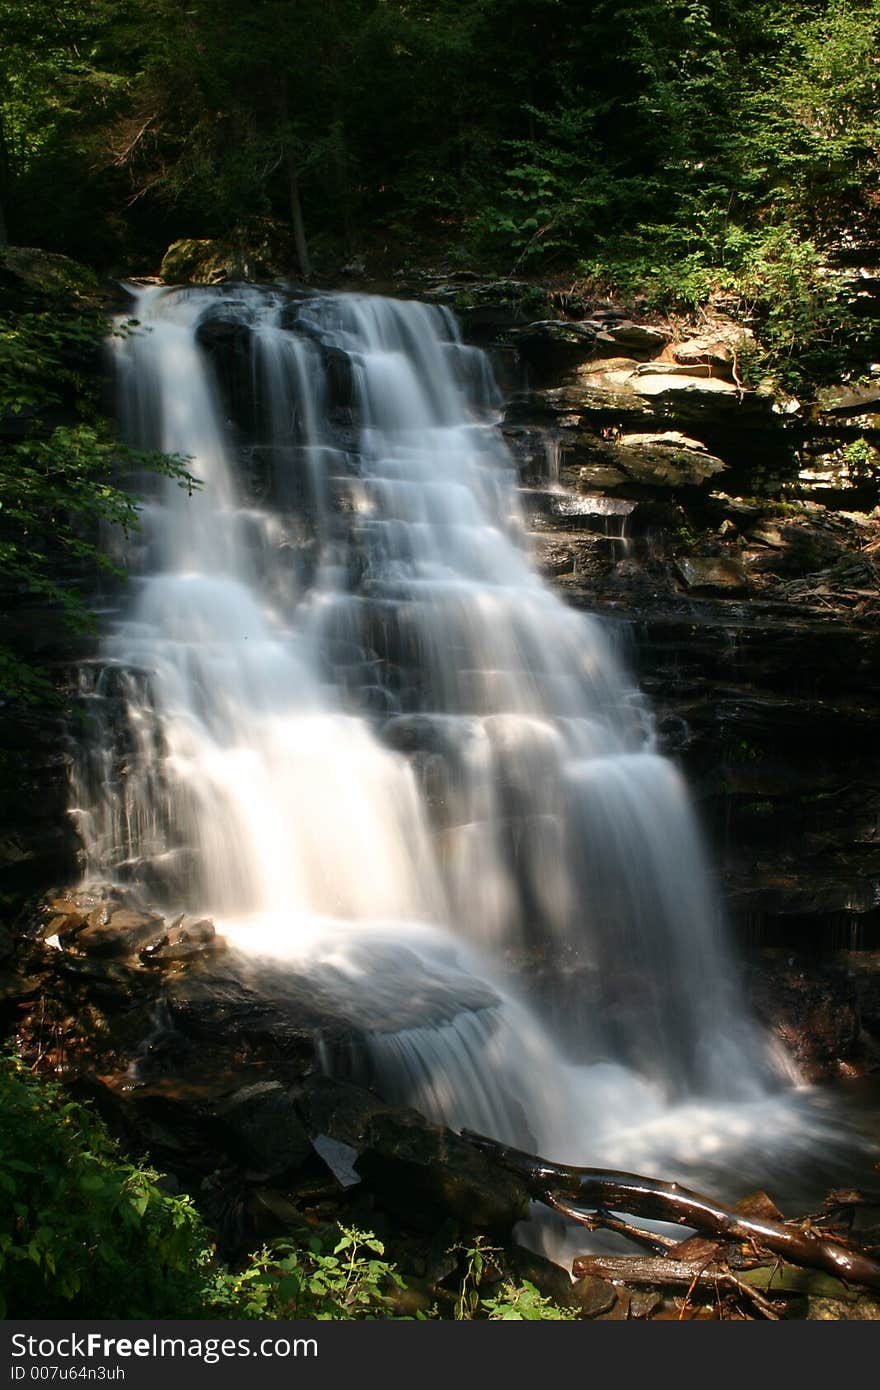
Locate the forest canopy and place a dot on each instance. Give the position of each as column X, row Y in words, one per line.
column 518, row 134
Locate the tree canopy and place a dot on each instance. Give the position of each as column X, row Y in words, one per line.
column 516, row 131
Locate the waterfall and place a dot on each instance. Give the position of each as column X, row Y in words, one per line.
column 341, row 714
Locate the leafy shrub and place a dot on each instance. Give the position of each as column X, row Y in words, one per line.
column 512, row 1303
column 351, row 1281
column 59, row 483
column 83, row 1233
column 86, row 1233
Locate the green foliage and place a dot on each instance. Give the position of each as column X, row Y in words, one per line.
column 83, row 1233
column 523, row 1303
column 654, row 135
column 512, row 1302
column 86, row 1233
column 350, row 1281
column 861, row 456
column 800, row 317
column 60, row 483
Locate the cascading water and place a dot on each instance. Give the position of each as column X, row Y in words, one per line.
column 343, row 716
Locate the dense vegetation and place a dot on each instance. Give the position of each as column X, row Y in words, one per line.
column 86, row 1233
column 628, row 134
column 64, row 478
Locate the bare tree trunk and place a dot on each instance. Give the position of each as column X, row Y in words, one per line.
column 296, row 212
column 296, row 215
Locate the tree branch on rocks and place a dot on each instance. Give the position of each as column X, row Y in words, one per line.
column 607, row 1190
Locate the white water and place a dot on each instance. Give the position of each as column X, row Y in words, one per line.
column 353, row 725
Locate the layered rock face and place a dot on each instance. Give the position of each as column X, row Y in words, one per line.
column 733, row 538
column 689, row 511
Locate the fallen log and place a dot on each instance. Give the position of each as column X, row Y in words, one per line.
column 663, row 1271
column 608, row 1190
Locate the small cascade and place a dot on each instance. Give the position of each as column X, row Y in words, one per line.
column 341, row 714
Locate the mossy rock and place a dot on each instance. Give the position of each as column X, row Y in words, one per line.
column 29, row 271
column 197, row 262
column 260, row 256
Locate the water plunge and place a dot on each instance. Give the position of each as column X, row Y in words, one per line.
column 343, row 716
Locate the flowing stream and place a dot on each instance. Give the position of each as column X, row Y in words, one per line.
column 342, row 715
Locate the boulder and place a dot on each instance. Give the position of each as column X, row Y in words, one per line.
column 188, row 939
column 26, row 270
column 197, row 261
column 423, row 1173
column 339, row 1109
column 201, row 261
column 668, row 459
column 553, row 345
column 713, row 575
column 638, row 339
column 264, row 1126
column 716, row 349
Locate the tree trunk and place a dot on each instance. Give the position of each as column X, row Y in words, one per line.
column 296, row 216
column 296, row 213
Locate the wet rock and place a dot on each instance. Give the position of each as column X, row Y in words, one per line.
column 338, row 1108
column 119, row 933
column 593, row 1296
column 339, row 379
column 552, row 557
column 548, row 1278
column 224, row 327
column 583, row 511
column 186, row 940
column 644, row 1302
column 264, row 1126
column 864, row 1309
column 64, row 918
column 421, row 1172
column 713, row 575
column 813, row 1006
